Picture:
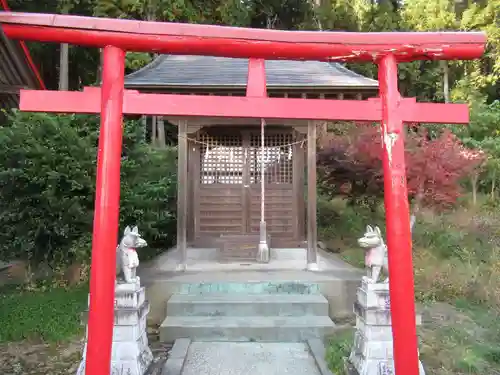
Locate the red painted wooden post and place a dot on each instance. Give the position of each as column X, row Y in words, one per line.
column 107, row 203
column 399, row 245
column 256, row 80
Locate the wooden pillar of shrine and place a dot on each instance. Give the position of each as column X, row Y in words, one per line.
column 182, row 193
column 312, row 230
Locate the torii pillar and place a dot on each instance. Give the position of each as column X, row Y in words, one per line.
column 397, row 217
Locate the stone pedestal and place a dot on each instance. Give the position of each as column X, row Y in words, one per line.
column 372, row 352
column 130, row 351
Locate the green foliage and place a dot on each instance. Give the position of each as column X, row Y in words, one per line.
column 337, row 218
column 338, row 15
column 219, row 12
column 51, row 315
column 481, row 77
column 281, row 14
column 148, row 196
column 47, row 186
column 483, row 133
column 137, row 60
column 338, row 350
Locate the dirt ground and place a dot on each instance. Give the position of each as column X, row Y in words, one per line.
column 30, row 358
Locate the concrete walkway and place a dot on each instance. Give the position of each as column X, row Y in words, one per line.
column 246, row 358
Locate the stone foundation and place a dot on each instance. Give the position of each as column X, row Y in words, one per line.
column 130, row 351
column 372, row 352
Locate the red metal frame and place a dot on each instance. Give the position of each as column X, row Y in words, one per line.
column 385, row 49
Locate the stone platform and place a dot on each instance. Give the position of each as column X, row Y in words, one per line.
column 285, row 273
column 130, row 354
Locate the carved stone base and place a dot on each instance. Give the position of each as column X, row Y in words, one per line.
column 130, row 353
column 137, row 365
column 373, row 367
column 372, row 352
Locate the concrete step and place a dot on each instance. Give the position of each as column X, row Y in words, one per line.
column 214, row 304
column 246, row 328
column 249, row 287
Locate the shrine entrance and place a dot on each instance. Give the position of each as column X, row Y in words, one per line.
column 225, row 165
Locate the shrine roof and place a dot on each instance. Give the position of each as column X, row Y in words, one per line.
column 17, row 70
column 220, row 72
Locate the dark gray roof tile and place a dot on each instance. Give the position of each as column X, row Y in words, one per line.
column 208, row 71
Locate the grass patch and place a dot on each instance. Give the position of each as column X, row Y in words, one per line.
column 457, row 282
column 454, row 340
column 49, row 314
column 461, row 339
column 338, row 349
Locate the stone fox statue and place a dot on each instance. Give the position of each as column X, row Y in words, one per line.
column 376, row 255
column 127, row 260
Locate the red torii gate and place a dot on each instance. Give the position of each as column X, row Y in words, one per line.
column 111, row 101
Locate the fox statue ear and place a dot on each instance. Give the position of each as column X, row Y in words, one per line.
column 369, row 229
column 135, row 230
column 377, row 229
column 127, row 230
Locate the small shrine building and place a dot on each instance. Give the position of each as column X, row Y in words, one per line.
column 219, row 192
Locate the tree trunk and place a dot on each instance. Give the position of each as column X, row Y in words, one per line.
column 161, row 132
column 99, row 68
column 473, row 180
column 416, row 207
column 144, row 123
column 64, row 67
column 154, row 136
column 151, row 15
column 446, row 83
column 317, row 8
column 493, row 184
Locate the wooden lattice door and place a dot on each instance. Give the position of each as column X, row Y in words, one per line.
column 280, row 196
column 227, row 195
column 220, row 204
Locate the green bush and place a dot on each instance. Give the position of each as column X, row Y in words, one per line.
column 338, row 219
column 148, row 194
column 47, row 186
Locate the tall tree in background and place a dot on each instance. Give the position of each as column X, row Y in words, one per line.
column 338, row 15
column 481, row 78
column 282, row 14
column 432, row 15
column 65, row 7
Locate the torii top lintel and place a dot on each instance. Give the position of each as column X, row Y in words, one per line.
column 191, row 39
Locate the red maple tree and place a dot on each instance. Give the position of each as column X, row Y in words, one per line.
column 350, row 164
